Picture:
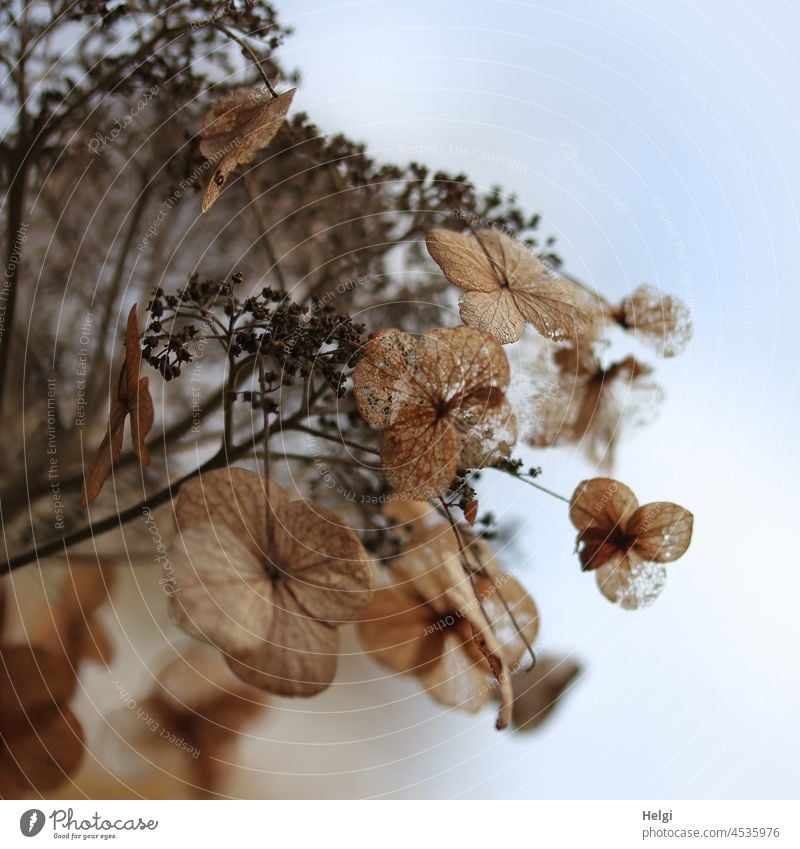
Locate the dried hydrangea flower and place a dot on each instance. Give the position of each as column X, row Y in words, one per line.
column 41, row 741
column 537, row 691
column 131, row 397
column 506, row 286
column 435, row 622
column 439, row 399
column 624, row 544
column 235, row 128
column 69, row 623
column 661, row 321
column 587, row 404
column 269, row 594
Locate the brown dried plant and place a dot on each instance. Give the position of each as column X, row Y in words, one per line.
column 394, row 430
column 266, row 580
column 454, row 630
column 236, row 128
column 585, row 403
column 439, row 400
column 626, row 545
column 130, row 397
column 506, row 286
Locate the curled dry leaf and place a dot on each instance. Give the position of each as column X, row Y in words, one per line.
column 41, row 741
column 235, row 128
column 131, row 397
column 69, row 624
column 449, row 629
column 506, row 286
column 583, row 403
column 269, row 594
column 661, row 321
column 439, row 399
column 624, row 544
column 537, row 691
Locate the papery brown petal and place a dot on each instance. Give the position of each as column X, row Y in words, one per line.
column 493, row 312
column 464, row 365
column 549, row 307
column 221, row 593
column 199, row 683
column 129, row 382
column 596, row 548
column 107, row 454
column 499, row 593
column 602, row 504
column 464, row 262
column 230, row 497
column 458, row 679
column 663, row 321
column 142, row 417
column 629, row 581
column 297, row 657
column 399, row 629
column 326, row 568
column 663, row 531
column 241, row 138
column 471, row 511
column 387, row 377
column 419, row 455
column 537, row 692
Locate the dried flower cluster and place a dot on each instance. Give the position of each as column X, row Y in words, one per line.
column 342, row 484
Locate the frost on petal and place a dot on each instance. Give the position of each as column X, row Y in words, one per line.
column 487, row 437
column 631, row 582
column 236, row 127
column 662, row 531
column 662, row 321
column 387, row 377
column 538, row 692
column 420, row 455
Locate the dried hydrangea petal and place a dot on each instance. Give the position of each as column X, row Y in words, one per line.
column 537, row 692
column 662, row 530
column 236, row 128
column 601, row 503
column 630, row 581
column 330, row 574
column 663, row 321
column 420, row 456
column 493, row 312
column 506, row 285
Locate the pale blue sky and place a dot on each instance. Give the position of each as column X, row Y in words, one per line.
column 686, row 112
